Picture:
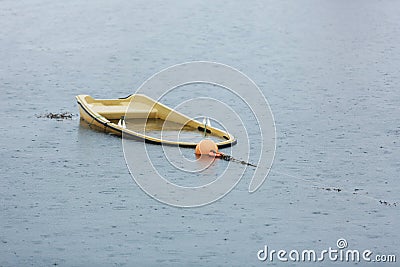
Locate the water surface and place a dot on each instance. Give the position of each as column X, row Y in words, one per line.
column 329, row 69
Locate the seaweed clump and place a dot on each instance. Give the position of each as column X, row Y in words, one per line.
column 57, row 116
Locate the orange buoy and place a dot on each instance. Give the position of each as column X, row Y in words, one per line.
column 205, row 147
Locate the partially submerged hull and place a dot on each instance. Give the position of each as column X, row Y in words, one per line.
column 148, row 120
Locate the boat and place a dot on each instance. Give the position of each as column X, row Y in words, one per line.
column 140, row 117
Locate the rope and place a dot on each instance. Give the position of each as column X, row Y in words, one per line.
column 336, row 189
column 317, row 185
column 230, row 158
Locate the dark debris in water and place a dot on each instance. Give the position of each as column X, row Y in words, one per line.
column 57, row 116
column 388, row 203
column 356, row 192
column 331, row 189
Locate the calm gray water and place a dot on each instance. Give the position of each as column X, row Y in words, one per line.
column 330, row 71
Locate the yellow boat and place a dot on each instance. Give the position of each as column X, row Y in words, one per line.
column 140, row 117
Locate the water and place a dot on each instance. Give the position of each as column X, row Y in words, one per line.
column 330, row 71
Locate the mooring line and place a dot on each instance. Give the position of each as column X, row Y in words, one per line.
column 322, row 186
column 227, row 157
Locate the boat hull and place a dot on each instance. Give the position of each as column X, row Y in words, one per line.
column 104, row 122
